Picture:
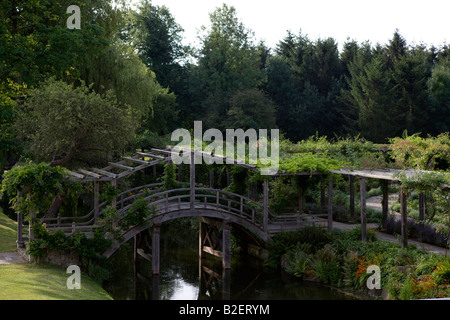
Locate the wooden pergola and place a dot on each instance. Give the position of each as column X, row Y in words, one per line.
column 386, row 176
column 142, row 160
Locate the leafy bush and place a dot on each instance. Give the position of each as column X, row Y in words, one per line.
column 326, row 266
column 297, row 262
column 138, row 214
column 282, row 242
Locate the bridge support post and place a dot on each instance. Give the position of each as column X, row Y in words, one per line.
column 226, row 245
column 215, row 239
column 155, row 248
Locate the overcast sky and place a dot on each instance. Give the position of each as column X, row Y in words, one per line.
column 422, row 21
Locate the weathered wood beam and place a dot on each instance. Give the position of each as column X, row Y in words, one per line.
column 155, row 248
column 74, row 174
column 89, row 173
column 136, row 160
column 226, row 244
column 121, row 166
column 150, row 155
column 105, row 173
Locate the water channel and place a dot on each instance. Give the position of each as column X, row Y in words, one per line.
column 184, row 277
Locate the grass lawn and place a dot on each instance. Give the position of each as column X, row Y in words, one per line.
column 8, row 233
column 31, row 281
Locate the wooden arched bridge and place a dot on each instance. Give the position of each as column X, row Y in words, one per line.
column 218, row 210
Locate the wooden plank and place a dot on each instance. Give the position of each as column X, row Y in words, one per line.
column 136, row 160
column 226, row 244
column 155, row 248
column 105, row 173
column 90, row 173
column 144, row 255
column 151, row 155
column 121, row 166
column 77, row 175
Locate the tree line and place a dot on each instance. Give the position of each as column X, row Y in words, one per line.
column 125, row 80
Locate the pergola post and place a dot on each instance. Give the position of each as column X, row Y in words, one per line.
column 362, row 204
column 96, row 201
column 211, row 179
column 20, row 242
column 384, row 202
column 266, row 204
column 351, row 180
column 192, row 180
column 403, row 217
column 114, row 184
column 422, row 206
column 226, row 244
column 300, row 201
column 330, row 202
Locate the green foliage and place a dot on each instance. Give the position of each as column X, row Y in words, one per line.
column 326, row 266
column 238, row 183
column 251, row 109
column 33, row 186
column 170, row 177
column 297, row 262
column 63, row 123
column 309, row 162
column 427, row 181
column 282, row 194
column 284, row 241
column 138, row 214
column 90, row 250
column 431, row 153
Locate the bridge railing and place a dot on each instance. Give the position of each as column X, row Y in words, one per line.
column 171, row 200
column 88, row 221
column 204, row 198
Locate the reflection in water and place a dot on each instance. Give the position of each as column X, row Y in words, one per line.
column 184, row 277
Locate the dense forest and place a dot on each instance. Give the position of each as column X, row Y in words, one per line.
column 124, row 80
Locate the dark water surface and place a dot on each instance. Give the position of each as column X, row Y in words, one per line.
column 184, row 277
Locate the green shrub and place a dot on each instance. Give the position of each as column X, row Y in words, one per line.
column 326, row 266
column 297, row 262
column 282, row 242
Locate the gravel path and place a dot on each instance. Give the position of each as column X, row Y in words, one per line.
column 11, row 257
